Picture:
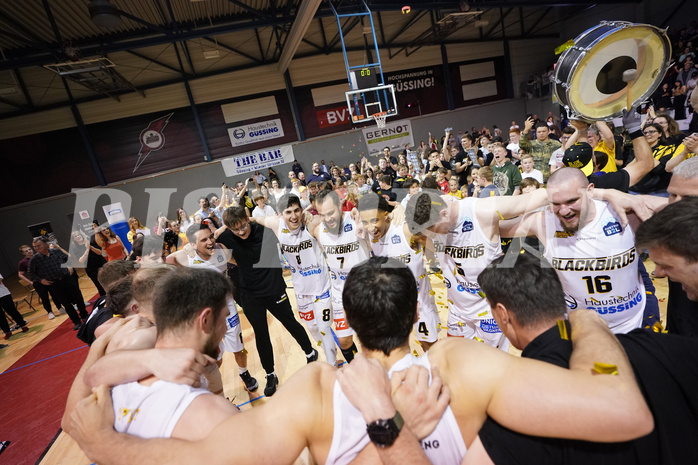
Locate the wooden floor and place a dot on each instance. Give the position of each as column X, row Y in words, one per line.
column 288, row 357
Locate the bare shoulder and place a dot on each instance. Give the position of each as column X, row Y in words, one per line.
column 204, row 413
column 472, row 371
column 139, row 333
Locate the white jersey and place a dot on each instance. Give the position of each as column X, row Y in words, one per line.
column 463, row 254
column 444, row 446
column 598, row 267
column 151, row 411
column 308, row 267
column 217, row 262
column 395, row 245
column 343, row 251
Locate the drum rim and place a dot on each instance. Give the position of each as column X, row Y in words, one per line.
column 566, row 102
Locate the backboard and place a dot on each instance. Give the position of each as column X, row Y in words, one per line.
column 363, row 103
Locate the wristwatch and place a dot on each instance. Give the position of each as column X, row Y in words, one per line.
column 384, row 432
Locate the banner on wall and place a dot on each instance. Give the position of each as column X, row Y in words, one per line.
column 117, row 222
column 259, row 160
column 256, row 132
column 395, row 134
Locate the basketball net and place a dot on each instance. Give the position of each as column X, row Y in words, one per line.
column 379, row 118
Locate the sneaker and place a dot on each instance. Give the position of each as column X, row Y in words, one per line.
column 14, row 328
column 77, row 326
column 61, row 311
column 25, row 328
column 51, row 316
column 272, row 382
column 312, row 357
column 9, row 335
column 251, row 383
column 2, row 346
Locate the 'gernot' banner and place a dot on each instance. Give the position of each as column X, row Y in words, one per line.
column 395, row 134
column 259, row 160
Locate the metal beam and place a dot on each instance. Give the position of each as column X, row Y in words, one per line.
column 23, row 86
column 298, row 122
column 259, row 44
column 13, row 104
column 305, row 15
column 246, row 66
column 502, row 17
column 84, row 135
column 537, row 22
column 249, row 9
column 234, row 50
column 183, row 43
column 673, row 12
column 413, row 20
column 153, row 60
column 316, row 46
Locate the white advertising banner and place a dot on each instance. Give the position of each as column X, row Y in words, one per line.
column 395, row 134
column 259, row 160
column 256, row 132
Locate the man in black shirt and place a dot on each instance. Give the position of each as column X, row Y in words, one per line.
column 262, row 287
column 581, row 155
column 529, row 306
column 47, row 267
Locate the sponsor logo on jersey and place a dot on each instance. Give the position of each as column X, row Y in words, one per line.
column 467, row 225
column 611, row 226
column 347, row 228
column 341, row 324
column 304, row 245
column 395, row 239
column 233, row 320
column 612, row 300
column 434, row 444
column 613, row 262
column 285, row 231
column 470, row 288
column 221, row 259
column 403, row 258
column 610, row 309
column 489, row 326
column 310, row 272
column 563, row 234
column 341, row 249
column 570, row 301
column 475, row 251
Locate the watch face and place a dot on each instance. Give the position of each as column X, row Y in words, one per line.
column 384, row 432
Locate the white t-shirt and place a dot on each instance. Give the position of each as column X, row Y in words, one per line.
column 556, row 158
column 535, row 174
column 3, row 289
column 258, row 213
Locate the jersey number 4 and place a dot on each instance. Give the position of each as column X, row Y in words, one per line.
column 422, row 328
column 601, row 283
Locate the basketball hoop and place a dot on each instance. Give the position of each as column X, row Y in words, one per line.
column 379, row 118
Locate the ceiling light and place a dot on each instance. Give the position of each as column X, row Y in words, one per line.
column 104, row 14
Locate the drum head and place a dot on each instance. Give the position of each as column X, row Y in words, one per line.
column 596, row 88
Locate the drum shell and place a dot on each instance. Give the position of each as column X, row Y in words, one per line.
column 575, row 59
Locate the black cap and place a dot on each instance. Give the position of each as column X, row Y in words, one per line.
column 580, row 156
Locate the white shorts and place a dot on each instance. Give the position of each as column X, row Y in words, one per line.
column 317, row 309
column 232, row 341
column 427, row 327
column 485, row 330
column 341, row 327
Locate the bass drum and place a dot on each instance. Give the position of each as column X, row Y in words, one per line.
column 589, row 75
